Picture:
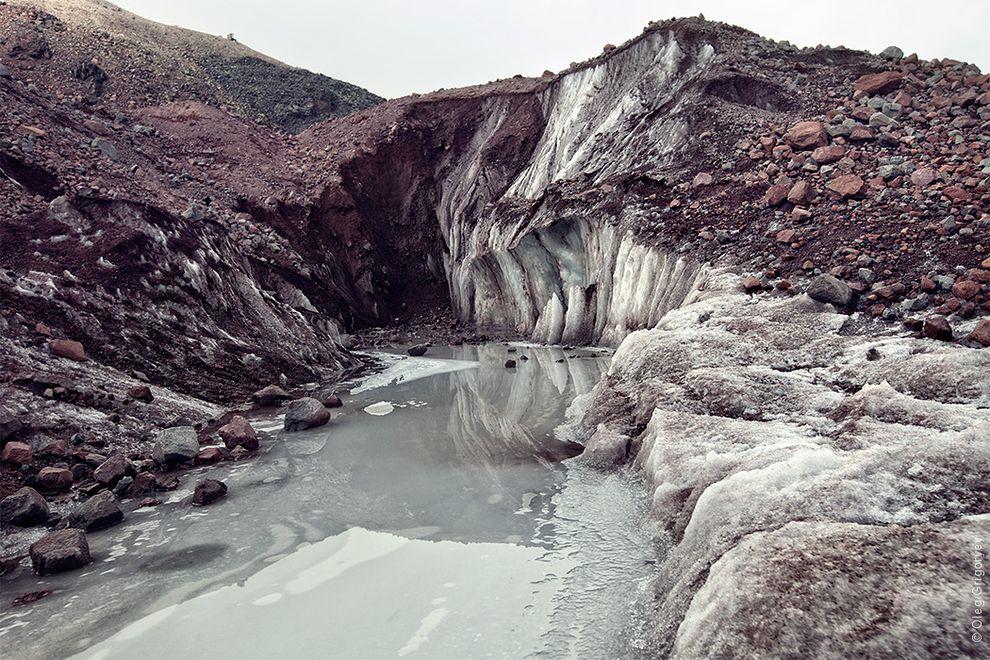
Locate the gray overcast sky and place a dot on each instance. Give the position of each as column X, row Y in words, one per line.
column 395, row 47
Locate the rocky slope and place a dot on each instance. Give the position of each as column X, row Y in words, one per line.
column 93, row 51
column 790, row 249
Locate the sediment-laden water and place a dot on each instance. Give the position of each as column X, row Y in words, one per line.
column 432, row 517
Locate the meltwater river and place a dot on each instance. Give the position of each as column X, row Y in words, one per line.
column 432, row 518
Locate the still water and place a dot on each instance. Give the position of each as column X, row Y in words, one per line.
column 434, row 517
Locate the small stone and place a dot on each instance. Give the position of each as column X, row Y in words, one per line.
column 141, row 392
column 826, row 288
column 207, row 491
column 238, row 432
column 751, row 284
column 923, row 176
column 24, row 508
column 957, row 194
column 510, row 364
column 270, row 396
column 67, row 348
column 702, row 179
column 96, row 513
column 305, row 413
column 333, row 401
column 17, row 453
column 937, row 327
column 62, row 550
column 209, row 456
column 829, row 154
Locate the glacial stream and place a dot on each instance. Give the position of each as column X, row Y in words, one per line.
column 433, row 517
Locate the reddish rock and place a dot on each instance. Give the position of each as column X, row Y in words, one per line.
column 63, row 550
column 829, row 154
column 937, row 327
column 55, row 479
column 17, row 453
column 141, row 392
column 56, row 449
column 111, row 470
column 751, row 284
column 270, row 396
column 239, row 433
column 985, row 263
column 879, row 83
column 981, row 333
column 806, row 135
column 801, row 193
column 67, row 348
column 208, row 456
column 923, row 176
column 847, row 185
column 957, row 194
column 207, row 491
column 777, row 193
column 965, row 289
column 785, row 236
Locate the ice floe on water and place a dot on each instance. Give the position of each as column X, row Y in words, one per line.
column 380, row 408
column 406, row 369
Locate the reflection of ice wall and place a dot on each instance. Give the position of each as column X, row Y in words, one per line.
column 752, row 414
column 576, row 279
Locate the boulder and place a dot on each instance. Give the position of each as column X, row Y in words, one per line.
column 892, row 53
column 111, row 470
column 806, row 135
column 937, row 327
column 923, row 176
column 98, row 512
column 67, row 348
column 333, row 401
column 957, row 194
column 702, row 179
column 879, row 83
column 510, row 364
column 62, row 550
column 4, row 72
column 141, row 392
column 305, row 413
column 55, row 478
column 417, row 350
column 207, row 491
column 751, row 284
column 9, row 425
column 17, row 453
column 826, row 288
column 801, row 193
column 270, row 396
column 239, row 433
column 965, row 289
column 24, row 508
column 176, row 445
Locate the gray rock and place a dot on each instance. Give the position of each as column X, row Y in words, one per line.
column 207, row 491
column 305, row 413
column 98, row 512
column 176, row 445
column 826, row 288
column 123, row 486
column 107, row 148
column 879, row 120
column 892, row 53
column 4, row 72
column 25, row 508
column 914, row 304
column 63, row 550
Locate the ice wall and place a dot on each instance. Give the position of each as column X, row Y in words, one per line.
column 797, row 469
column 516, row 265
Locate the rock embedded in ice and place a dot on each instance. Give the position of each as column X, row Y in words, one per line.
column 96, row 513
column 304, row 414
column 208, row 491
column 418, row 350
column 62, row 550
column 238, row 432
column 178, row 444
